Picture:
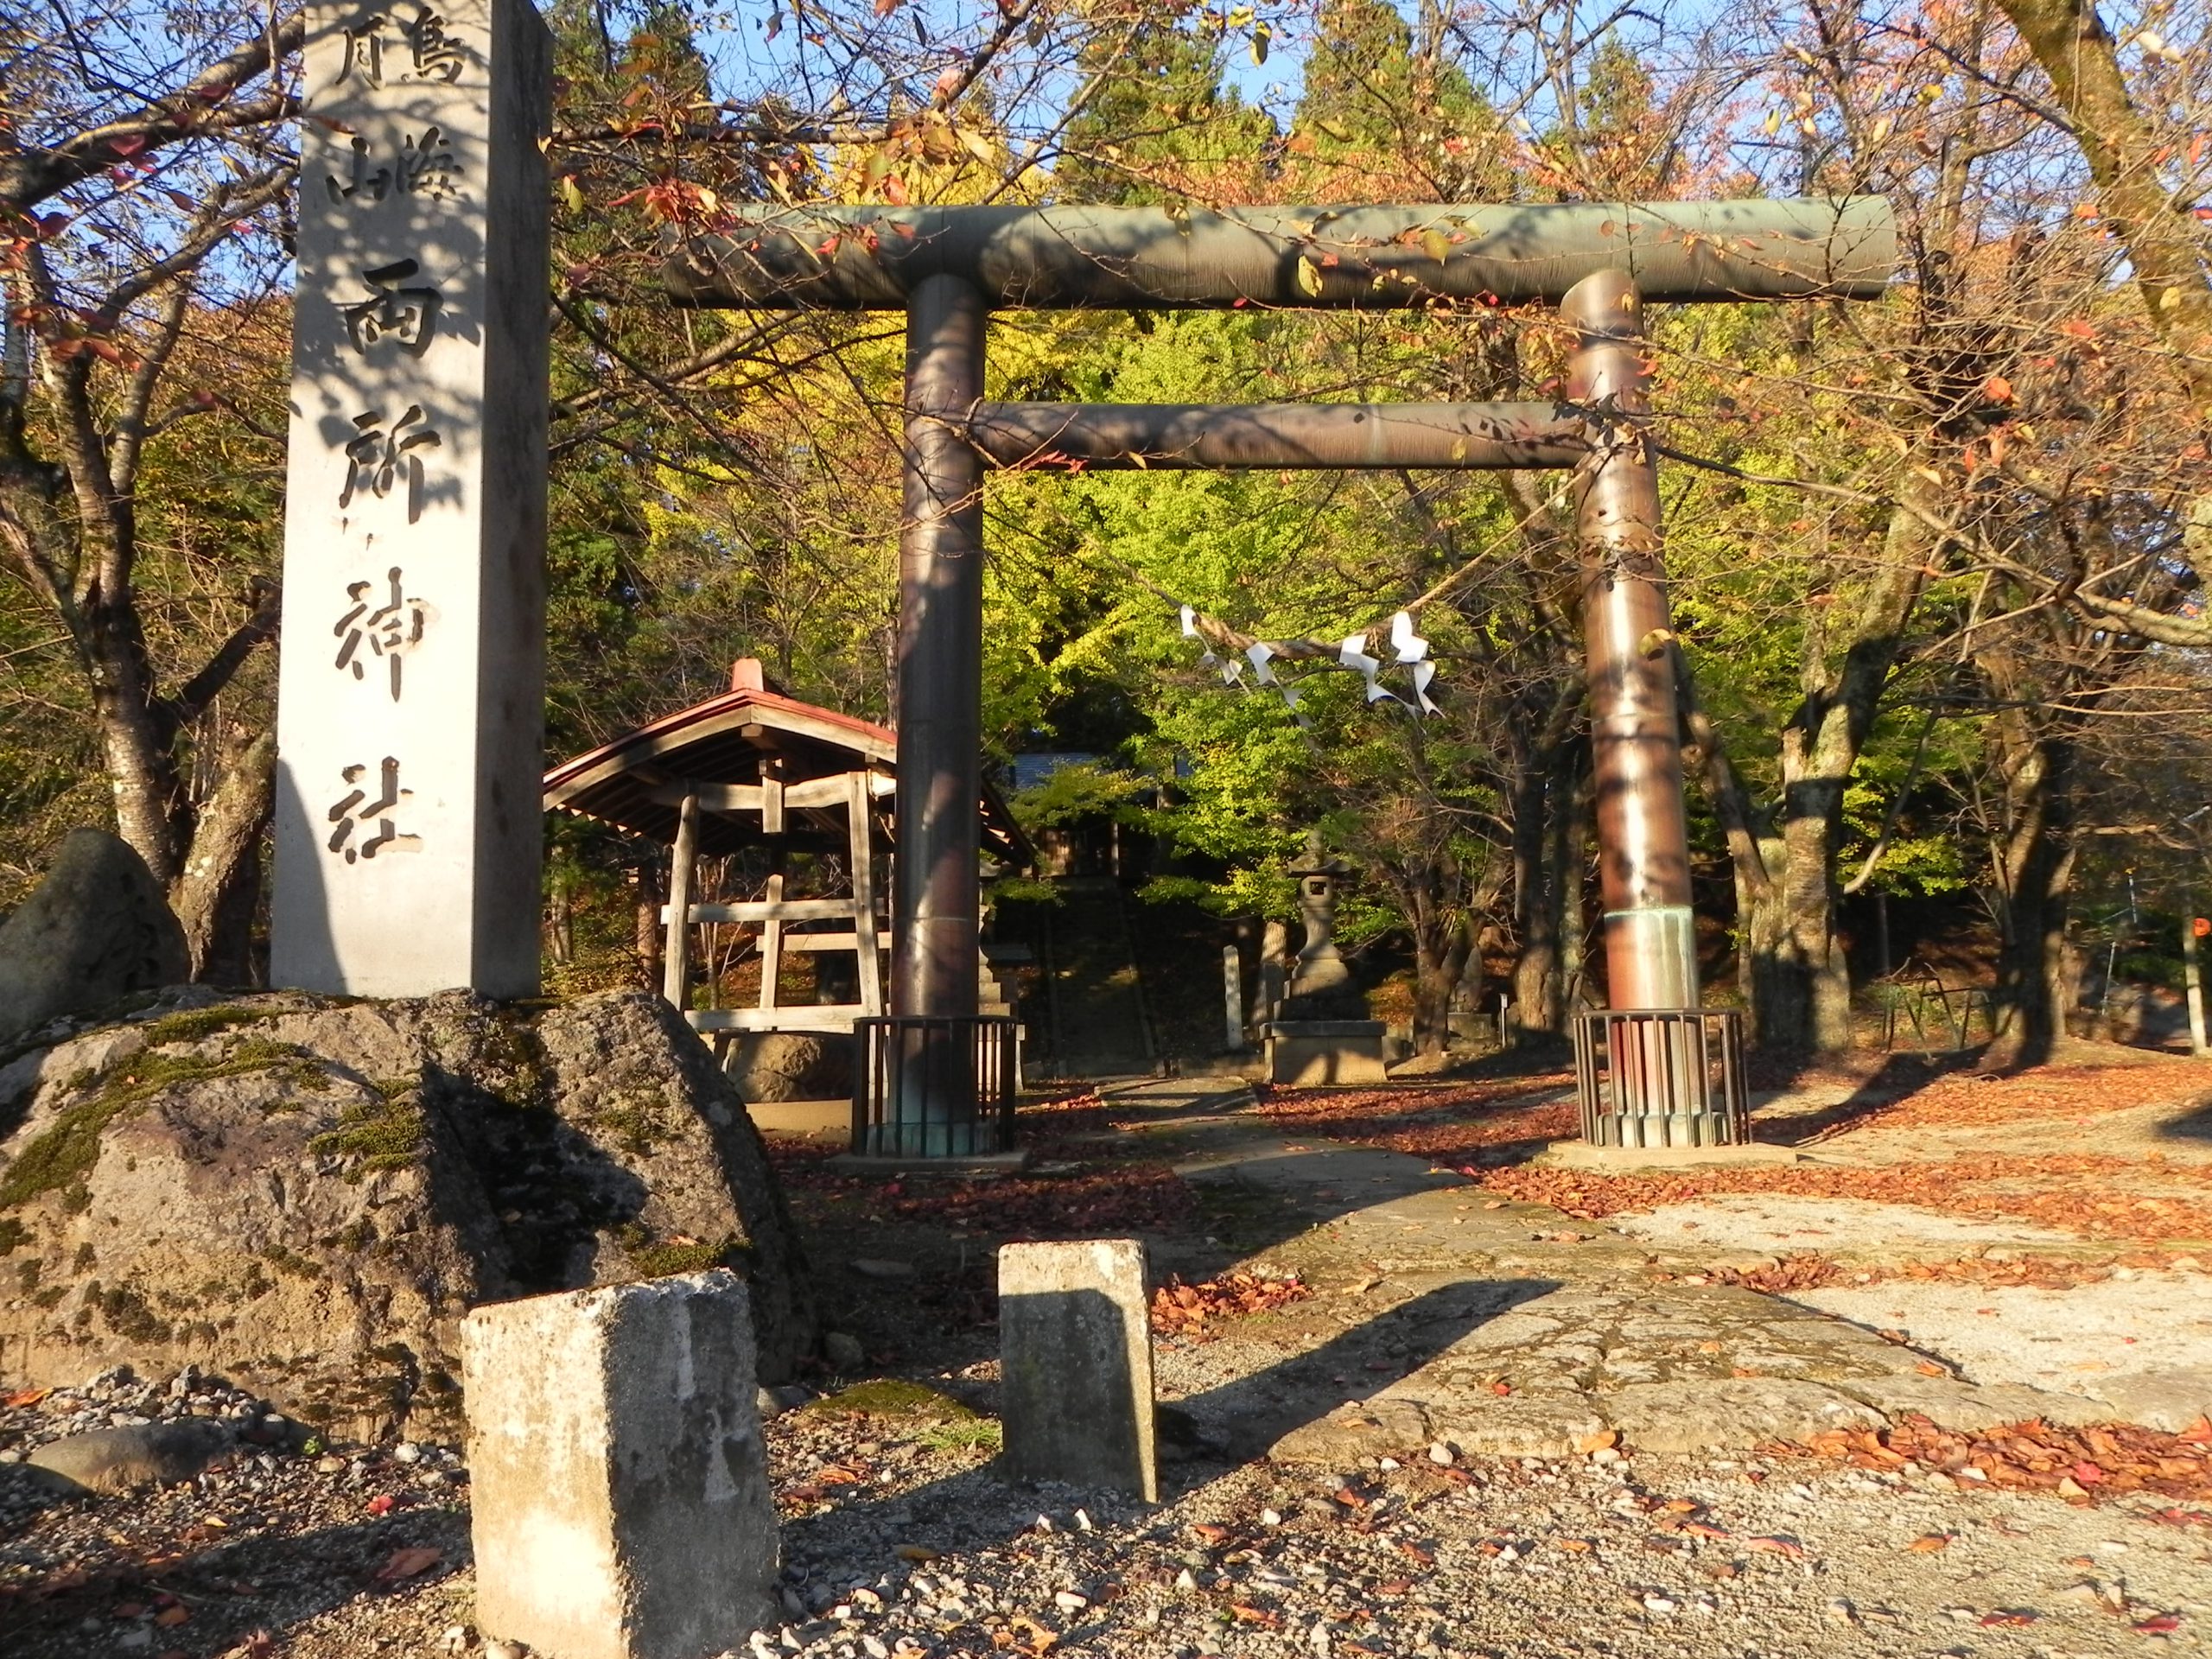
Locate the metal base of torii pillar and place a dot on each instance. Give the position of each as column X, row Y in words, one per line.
column 1653, row 1083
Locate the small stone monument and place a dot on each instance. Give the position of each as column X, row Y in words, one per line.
column 1321, row 1034
column 1075, row 1365
column 618, row 1483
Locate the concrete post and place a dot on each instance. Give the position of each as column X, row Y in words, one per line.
column 410, row 683
column 1232, row 997
column 1075, row 1365
column 2193, row 981
column 620, row 1499
column 1643, row 838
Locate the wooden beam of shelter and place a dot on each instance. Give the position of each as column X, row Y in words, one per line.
column 874, row 259
column 1085, row 436
column 813, row 794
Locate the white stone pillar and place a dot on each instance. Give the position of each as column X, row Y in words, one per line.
column 411, row 666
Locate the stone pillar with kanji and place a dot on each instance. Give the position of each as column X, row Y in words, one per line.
column 412, row 657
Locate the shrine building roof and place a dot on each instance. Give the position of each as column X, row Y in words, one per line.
column 638, row 781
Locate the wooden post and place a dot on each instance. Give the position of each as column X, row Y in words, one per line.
column 2192, row 978
column 862, row 854
column 771, row 937
column 676, row 959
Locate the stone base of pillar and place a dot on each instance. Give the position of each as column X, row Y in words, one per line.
column 1312, row 1054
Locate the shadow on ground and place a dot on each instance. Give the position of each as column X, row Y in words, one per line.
column 1235, row 1422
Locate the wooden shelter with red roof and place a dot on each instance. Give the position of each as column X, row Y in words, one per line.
column 750, row 768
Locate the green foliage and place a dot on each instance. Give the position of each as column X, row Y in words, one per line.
column 1072, row 793
column 663, row 1259
column 197, row 1025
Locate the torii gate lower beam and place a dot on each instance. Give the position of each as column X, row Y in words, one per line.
column 948, row 267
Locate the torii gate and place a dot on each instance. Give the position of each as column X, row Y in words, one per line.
column 948, row 268
column 410, row 696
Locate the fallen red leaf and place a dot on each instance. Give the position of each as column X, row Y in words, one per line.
column 2158, row 1624
column 2009, row 1615
column 170, row 1617
column 406, row 1563
column 25, row 1397
column 1929, row 1544
column 382, row 1504
column 1788, row 1547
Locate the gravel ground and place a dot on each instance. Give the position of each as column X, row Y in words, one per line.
column 898, row 1539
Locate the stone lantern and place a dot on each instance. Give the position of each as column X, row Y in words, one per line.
column 1322, row 1033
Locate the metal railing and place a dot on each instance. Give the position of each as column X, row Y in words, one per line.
column 1661, row 1078
column 931, row 1086
column 1906, row 993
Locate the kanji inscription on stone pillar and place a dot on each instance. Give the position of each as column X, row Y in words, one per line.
column 409, row 723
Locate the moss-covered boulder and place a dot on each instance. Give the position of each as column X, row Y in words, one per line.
column 306, row 1194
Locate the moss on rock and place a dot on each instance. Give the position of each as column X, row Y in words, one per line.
column 60, row 1156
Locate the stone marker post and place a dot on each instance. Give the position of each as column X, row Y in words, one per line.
column 1075, row 1365
column 619, row 1485
column 411, row 680
column 1232, row 999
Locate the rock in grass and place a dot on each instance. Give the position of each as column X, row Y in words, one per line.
column 123, row 1459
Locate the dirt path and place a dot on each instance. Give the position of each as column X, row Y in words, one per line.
column 1506, row 1328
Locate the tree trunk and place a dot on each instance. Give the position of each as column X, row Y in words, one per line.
column 1536, row 908
column 150, row 811
column 1440, row 961
column 216, row 893
column 560, row 927
column 647, row 934
column 2075, row 49
column 1796, row 979
column 1547, row 886
column 2035, row 981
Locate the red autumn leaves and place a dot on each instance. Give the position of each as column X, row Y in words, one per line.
column 1183, row 1310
